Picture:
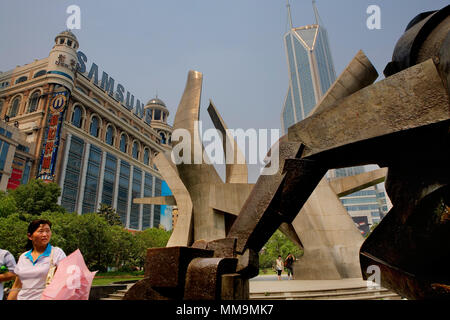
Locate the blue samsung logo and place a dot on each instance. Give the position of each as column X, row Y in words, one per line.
column 116, row 92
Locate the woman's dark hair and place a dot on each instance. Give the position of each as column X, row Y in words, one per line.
column 32, row 227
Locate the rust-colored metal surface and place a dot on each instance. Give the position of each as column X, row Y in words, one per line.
column 276, row 198
column 225, row 248
column 165, row 272
column 204, row 277
column 411, row 244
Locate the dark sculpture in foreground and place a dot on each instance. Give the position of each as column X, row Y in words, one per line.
column 402, row 123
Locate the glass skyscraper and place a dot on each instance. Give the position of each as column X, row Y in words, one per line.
column 311, row 74
column 311, row 71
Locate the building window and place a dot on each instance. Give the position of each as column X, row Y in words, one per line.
column 61, row 41
column 4, row 147
column 163, row 138
column 92, row 177
column 72, row 179
column 26, row 173
column 109, row 179
column 40, row 73
column 4, row 84
column 157, row 114
column 288, row 111
column 69, row 43
column 136, row 193
column 123, row 143
column 21, row 79
column 135, row 150
column 94, row 130
column 34, row 101
column 148, row 116
column 146, row 156
column 122, row 194
column 147, row 208
column 110, row 135
column 157, row 208
column 77, row 116
column 82, row 90
column 14, row 107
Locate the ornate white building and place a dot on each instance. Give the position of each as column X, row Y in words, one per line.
column 88, row 135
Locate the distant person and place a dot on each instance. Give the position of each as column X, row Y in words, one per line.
column 33, row 265
column 288, row 264
column 279, row 266
column 7, row 266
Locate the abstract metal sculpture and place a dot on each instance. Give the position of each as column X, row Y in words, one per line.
column 330, row 239
column 401, row 122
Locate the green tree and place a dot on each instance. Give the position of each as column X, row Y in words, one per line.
column 154, row 237
column 110, row 215
column 13, row 234
column 63, row 226
column 278, row 244
column 150, row 238
column 371, row 229
column 122, row 249
column 88, row 232
column 36, row 197
column 7, row 204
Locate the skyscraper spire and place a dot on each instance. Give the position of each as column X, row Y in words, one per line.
column 289, row 14
column 316, row 12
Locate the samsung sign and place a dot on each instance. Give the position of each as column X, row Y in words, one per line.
column 116, row 92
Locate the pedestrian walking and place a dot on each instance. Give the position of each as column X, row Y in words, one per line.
column 288, row 263
column 34, row 268
column 7, row 266
column 279, row 266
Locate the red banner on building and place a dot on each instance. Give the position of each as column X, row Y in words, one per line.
column 57, row 107
column 14, row 180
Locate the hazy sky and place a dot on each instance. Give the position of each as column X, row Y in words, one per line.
column 149, row 46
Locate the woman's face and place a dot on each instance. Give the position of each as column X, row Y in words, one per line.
column 41, row 236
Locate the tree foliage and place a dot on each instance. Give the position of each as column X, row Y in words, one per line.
column 36, row 197
column 7, row 204
column 277, row 245
column 110, row 215
column 371, row 230
column 100, row 236
column 13, row 234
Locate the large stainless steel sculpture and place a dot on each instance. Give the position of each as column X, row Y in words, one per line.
column 401, row 123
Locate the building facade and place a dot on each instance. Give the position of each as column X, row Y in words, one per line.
column 88, row 135
column 368, row 206
column 311, row 70
column 16, row 156
column 311, row 74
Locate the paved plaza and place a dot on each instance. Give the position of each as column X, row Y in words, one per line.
column 268, row 287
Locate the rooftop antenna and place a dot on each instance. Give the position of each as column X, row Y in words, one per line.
column 316, row 12
column 289, row 14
